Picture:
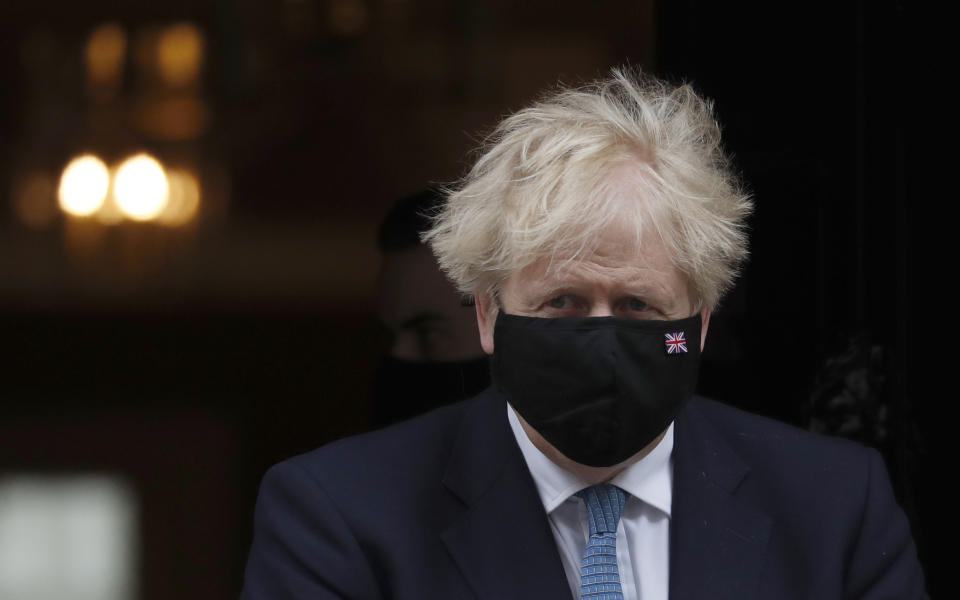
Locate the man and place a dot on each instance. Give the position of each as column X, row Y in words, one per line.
column 435, row 357
column 597, row 231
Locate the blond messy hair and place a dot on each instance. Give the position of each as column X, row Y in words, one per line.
column 541, row 187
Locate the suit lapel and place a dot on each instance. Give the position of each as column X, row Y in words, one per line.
column 717, row 543
column 504, row 547
column 503, row 544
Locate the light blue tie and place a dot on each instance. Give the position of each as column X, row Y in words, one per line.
column 599, row 577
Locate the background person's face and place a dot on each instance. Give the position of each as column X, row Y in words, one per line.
column 423, row 311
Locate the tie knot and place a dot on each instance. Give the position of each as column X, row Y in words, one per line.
column 604, row 503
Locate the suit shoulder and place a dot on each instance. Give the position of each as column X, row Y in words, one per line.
column 793, row 473
column 829, row 497
column 399, row 451
column 769, row 445
column 743, row 428
column 383, row 484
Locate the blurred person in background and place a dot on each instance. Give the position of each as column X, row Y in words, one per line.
column 435, row 357
column 597, row 232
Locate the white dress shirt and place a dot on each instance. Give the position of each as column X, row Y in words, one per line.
column 643, row 535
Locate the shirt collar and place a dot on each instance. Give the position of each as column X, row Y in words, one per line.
column 650, row 479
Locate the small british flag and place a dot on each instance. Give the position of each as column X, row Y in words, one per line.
column 676, row 343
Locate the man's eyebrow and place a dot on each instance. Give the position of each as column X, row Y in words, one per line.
column 638, row 286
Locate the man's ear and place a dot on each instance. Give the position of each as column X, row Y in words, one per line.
column 704, row 323
column 485, row 320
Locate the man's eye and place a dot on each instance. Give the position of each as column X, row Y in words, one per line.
column 637, row 304
column 558, row 302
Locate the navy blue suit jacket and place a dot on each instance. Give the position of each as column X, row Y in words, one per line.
column 444, row 507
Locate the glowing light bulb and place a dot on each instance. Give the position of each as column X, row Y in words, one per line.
column 83, row 185
column 141, row 188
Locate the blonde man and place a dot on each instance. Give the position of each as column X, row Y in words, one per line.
column 597, row 231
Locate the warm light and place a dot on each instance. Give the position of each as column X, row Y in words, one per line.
column 140, row 187
column 184, row 198
column 83, row 185
column 109, row 212
column 180, row 54
column 105, row 54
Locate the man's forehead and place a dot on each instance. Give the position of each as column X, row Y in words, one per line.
column 637, row 275
column 618, row 250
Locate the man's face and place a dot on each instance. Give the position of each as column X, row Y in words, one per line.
column 423, row 311
column 620, row 278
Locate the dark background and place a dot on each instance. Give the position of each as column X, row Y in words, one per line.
column 191, row 359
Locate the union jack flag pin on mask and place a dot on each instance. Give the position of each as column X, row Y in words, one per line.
column 676, row 343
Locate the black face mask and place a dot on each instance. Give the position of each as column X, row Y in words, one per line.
column 599, row 389
column 403, row 389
